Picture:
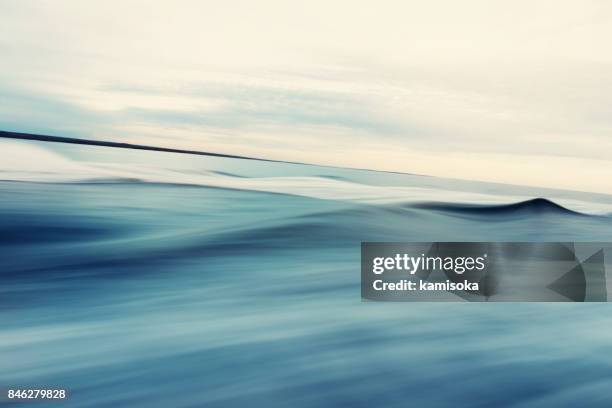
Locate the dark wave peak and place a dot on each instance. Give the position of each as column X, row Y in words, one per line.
column 536, row 206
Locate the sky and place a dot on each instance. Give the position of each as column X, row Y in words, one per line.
column 509, row 91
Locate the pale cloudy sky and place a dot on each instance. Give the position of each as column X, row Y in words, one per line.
column 510, row 91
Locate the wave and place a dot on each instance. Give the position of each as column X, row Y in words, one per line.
column 536, row 206
column 26, row 162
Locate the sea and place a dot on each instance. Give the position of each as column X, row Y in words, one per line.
column 151, row 279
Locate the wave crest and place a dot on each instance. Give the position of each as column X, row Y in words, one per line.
column 536, row 206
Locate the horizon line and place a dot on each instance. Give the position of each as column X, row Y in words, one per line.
column 105, row 143
column 4, row 134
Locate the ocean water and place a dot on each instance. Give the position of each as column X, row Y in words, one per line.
column 146, row 279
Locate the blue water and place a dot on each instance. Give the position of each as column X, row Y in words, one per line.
column 141, row 293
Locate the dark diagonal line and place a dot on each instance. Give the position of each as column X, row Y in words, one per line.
column 73, row 140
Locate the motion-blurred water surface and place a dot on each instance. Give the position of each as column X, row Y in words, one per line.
column 150, row 280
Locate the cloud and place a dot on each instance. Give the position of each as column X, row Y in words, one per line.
column 31, row 111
